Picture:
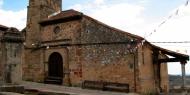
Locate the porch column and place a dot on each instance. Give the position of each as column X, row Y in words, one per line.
column 183, row 73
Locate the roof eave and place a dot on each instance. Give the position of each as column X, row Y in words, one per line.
column 60, row 20
column 171, row 53
column 113, row 28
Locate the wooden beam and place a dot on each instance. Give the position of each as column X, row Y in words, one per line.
column 170, row 60
column 171, row 53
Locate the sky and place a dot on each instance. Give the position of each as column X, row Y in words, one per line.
column 156, row 20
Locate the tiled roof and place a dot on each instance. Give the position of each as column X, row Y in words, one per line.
column 64, row 15
column 113, row 28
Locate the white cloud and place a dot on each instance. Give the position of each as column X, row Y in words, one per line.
column 98, row 2
column 175, row 29
column 121, row 15
column 13, row 18
column 144, row 1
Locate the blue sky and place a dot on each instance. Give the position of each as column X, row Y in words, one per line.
column 156, row 7
column 23, row 4
column 10, row 5
column 139, row 17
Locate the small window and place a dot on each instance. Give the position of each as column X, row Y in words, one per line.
column 131, row 66
column 56, row 29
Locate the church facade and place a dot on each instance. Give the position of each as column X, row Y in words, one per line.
column 69, row 48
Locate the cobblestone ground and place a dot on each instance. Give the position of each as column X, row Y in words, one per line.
column 68, row 90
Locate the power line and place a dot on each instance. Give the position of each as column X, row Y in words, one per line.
column 180, row 42
column 168, row 18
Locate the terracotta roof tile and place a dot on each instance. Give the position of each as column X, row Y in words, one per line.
column 72, row 13
column 113, row 28
column 62, row 15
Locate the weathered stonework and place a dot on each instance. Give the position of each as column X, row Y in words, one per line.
column 11, row 47
column 37, row 11
column 69, row 47
column 94, row 51
column 90, row 51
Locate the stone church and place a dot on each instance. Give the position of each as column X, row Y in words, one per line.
column 70, row 48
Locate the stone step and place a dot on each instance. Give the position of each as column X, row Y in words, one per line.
column 53, row 80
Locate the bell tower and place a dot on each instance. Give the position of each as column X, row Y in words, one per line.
column 38, row 10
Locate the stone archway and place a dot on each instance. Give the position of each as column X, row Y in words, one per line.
column 55, row 69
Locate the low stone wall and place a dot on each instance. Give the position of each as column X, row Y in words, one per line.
column 12, row 88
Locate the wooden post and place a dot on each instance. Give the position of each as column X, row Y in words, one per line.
column 183, row 73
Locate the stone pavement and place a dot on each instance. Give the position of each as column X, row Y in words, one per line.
column 66, row 90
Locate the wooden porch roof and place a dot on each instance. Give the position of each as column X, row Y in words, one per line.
column 177, row 57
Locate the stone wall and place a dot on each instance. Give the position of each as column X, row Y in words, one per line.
column 146, row 69
column 33, row 67
column 94, row 31
column 108, row 54
column 110, row 63
column 69, row 32
column 11, row 61
column 38, row 10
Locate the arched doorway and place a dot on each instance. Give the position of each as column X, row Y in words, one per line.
column 55, row 69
